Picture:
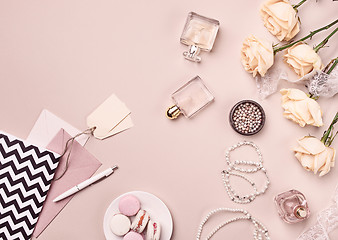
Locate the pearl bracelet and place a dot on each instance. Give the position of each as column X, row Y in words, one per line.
column 260, row 231
column 234, row 166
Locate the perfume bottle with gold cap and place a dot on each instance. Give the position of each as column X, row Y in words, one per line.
column 199, row 33
column 190, row 99
column 292, row 206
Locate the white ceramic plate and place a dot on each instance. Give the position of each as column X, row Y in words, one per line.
column 157, row 210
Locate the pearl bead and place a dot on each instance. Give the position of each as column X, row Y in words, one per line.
column 257, row 234
column 235, row 167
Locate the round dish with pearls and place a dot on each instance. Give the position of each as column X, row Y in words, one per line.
column 247, row 117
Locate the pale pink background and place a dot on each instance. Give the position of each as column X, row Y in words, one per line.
column 69, row 56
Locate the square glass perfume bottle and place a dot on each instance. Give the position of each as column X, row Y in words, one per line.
column 292, row 206
column 199, row 33
column 190, row 99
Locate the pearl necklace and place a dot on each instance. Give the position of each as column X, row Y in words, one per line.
column 259, row 232
column 257, row 166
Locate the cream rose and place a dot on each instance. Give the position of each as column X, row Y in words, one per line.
column 302, row 59
column 314, row 155
column 280, row 19
column 257, row 55
column 300, row 108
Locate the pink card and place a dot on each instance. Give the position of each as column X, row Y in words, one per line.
column 82, row 165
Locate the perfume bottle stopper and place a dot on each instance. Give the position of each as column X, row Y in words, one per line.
column 173, row 112
column 192, row 53
column 199, row 33
column 300, row 212
column 190, row 99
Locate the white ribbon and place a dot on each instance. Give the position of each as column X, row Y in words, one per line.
column 268, row 84
column 318, row 83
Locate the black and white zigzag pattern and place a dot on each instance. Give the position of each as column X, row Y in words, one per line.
column 26, row 172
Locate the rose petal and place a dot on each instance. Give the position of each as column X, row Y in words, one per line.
column 294, row 118
column 327, row 167
column 302, row 111
column 299, row 155
column 300, row 149
column 296, row 94
column 312, row 145
column 316, row 112
column 307, row 161
column 304, row 52
column 320, row 161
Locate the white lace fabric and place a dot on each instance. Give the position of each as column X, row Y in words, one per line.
column 268, row 84
column 321, row 84
column 327, row 221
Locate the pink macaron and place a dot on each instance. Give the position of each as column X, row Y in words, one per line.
column 133, row 236
column 129, row 205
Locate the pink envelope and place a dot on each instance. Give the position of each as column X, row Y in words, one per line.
column 82, row 165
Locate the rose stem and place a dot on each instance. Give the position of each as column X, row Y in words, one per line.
column 328, row 137
column 333, row 63
column 275, row 50
column 322, row 43
column 298, row 4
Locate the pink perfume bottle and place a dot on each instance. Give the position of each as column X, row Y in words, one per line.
column 199, row 33
column 190, row 99
column 292, row 206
